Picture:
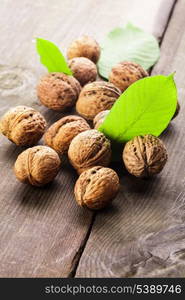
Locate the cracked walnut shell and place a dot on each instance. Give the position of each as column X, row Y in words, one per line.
column 96, row 97
column 84, row 70
column 88, row 149
column 38, row 165
column 126, row 73
column 23, row 125
column 60, row 134
column 84, row 46
column 96, row 187
column 58, row 91
column 144, row 156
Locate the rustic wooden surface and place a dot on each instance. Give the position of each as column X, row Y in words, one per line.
column 143, row 234
column 42, row 231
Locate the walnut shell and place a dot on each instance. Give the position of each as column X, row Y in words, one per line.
column 88, row 149
column 60, row 134
column 96, row 187
column 96, row 97
column 126, row 73
column 58, row 91
column 38, row 165
column 84, row 46
column 99, row 118
column 144, row 156
column 84, row 70
column 23, row 125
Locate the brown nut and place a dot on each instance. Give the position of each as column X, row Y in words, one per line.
column 84, row 70
column 126, row 73
column 58, row 91
column 96, row 187
column 23, row 125
column 84, row 46
column 144, row 156
column 38, row 165
column 88, row 149
column 99, row 118
column 96, row 97
column 60, row 134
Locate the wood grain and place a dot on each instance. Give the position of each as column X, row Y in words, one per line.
column 42, row 231
column 143, row 233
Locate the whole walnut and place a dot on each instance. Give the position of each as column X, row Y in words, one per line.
column 99, row 118
column 60, row 134
column 96, row 97
column 96, row 187
column 126, row 73
column 84, row 46
column 88, row 149
column 84, row 70
column 58, row 91
column 144, row 156
column 23, row 125
column 38, row 165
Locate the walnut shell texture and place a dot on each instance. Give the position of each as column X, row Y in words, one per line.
column 58, row 91
column 99, row 118
column 84, row 46
column 96, row 187
column 96, row 97
column 60, row 134
column 84, row 70
column 88, row 149
column 126, row 73
column 144, row 156
column 37, row 165
column 23, row 125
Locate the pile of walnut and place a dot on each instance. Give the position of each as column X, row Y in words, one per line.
column 89, row 151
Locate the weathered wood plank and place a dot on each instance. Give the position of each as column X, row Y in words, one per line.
column 41, row 229
column 143, row 233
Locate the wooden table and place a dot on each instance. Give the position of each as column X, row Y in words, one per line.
column 43, row 233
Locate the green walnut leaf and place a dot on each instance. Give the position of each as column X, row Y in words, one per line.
column 51, row 57
column 128, row 44
column 146, row 107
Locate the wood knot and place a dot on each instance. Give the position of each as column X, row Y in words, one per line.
column 15, row 79
column 10, row 80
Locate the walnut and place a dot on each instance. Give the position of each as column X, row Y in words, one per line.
column 96, row 187
column 88, row 149
column 126, row 73
column 96, row 97
column 23, row 125
column 60, row 134
column 38, row 165
column 58, row 91
column 84, row 70
column 144, row 156
column 84, row 46
column 99, row 118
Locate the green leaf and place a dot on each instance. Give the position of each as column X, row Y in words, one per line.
column 146, row 107
column 51, row 57
column 128, row 44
